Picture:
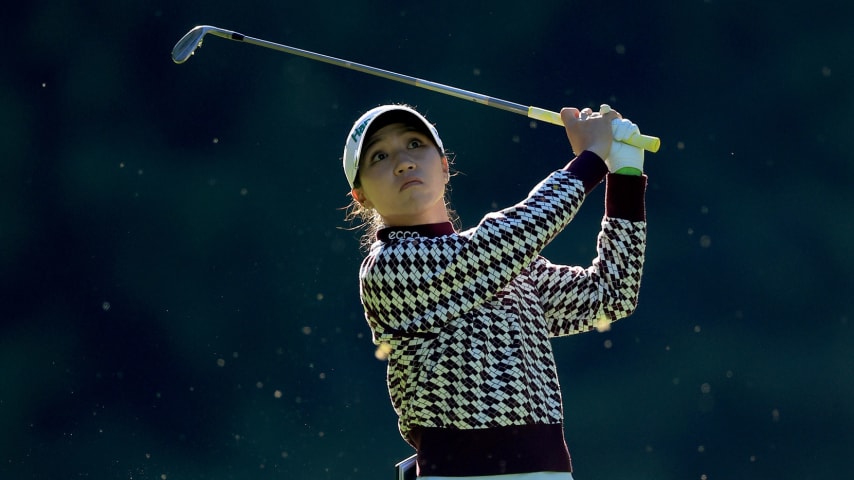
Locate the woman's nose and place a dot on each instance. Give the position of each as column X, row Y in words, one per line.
column 404, row 163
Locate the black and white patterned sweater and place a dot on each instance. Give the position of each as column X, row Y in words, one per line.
column 467, row 319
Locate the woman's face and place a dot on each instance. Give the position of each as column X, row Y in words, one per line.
column 403, row 177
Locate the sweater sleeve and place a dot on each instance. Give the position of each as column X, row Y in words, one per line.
column 579, row 299
column 413, row 286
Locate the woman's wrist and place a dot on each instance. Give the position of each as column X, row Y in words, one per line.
column 629, row 171
column 589, row 168
column 624, row 197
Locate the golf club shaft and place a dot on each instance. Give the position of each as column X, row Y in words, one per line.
column 193, row 39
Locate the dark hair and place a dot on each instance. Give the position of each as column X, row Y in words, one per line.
column 397, row 116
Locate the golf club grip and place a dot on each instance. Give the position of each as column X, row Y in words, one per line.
column 646, row 142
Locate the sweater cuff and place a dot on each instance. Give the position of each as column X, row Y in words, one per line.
column 588, row 168
column 624, row 197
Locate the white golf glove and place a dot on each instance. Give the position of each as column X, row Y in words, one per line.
column 622, row 154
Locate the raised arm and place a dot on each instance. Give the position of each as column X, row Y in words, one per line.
column 580, row 299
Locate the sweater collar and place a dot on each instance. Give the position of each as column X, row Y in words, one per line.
column 415, row 231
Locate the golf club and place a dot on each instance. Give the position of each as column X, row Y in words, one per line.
column 188, row 44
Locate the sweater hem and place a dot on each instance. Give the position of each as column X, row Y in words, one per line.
column 449, row 452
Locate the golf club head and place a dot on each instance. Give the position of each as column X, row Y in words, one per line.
column 188, row 44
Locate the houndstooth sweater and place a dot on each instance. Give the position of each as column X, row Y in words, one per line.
column 468, row 317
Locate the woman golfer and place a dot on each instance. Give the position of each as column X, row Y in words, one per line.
column 466, row 316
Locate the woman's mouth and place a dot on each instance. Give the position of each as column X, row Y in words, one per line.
column 410, row 183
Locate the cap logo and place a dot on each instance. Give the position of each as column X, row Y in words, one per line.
column 359, row 130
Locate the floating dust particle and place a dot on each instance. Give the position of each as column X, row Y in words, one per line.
column 680, row 145
column 603, row 324
column 383, row 351
column 220, row 362
column 319, row 297
column 106, row 306
column 215, row 140
column 306, row 330
column 705, row 241
column 608, row 344
column 277, row 394
column 620, row 49
column 706, row 388
column 244, row 191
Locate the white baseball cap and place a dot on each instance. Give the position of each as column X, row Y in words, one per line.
column 363, row 128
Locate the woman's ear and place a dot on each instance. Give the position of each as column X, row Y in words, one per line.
column 360, row 197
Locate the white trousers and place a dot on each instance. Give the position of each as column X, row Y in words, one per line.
column 512, row 476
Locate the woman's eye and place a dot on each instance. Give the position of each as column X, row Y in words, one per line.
column 415, row 143
column 378, row 156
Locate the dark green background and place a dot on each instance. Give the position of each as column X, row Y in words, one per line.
column 179, row 289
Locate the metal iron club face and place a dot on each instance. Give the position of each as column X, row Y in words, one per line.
column 188, row 44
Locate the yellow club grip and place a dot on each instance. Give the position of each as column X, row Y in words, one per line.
column 646, row 142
